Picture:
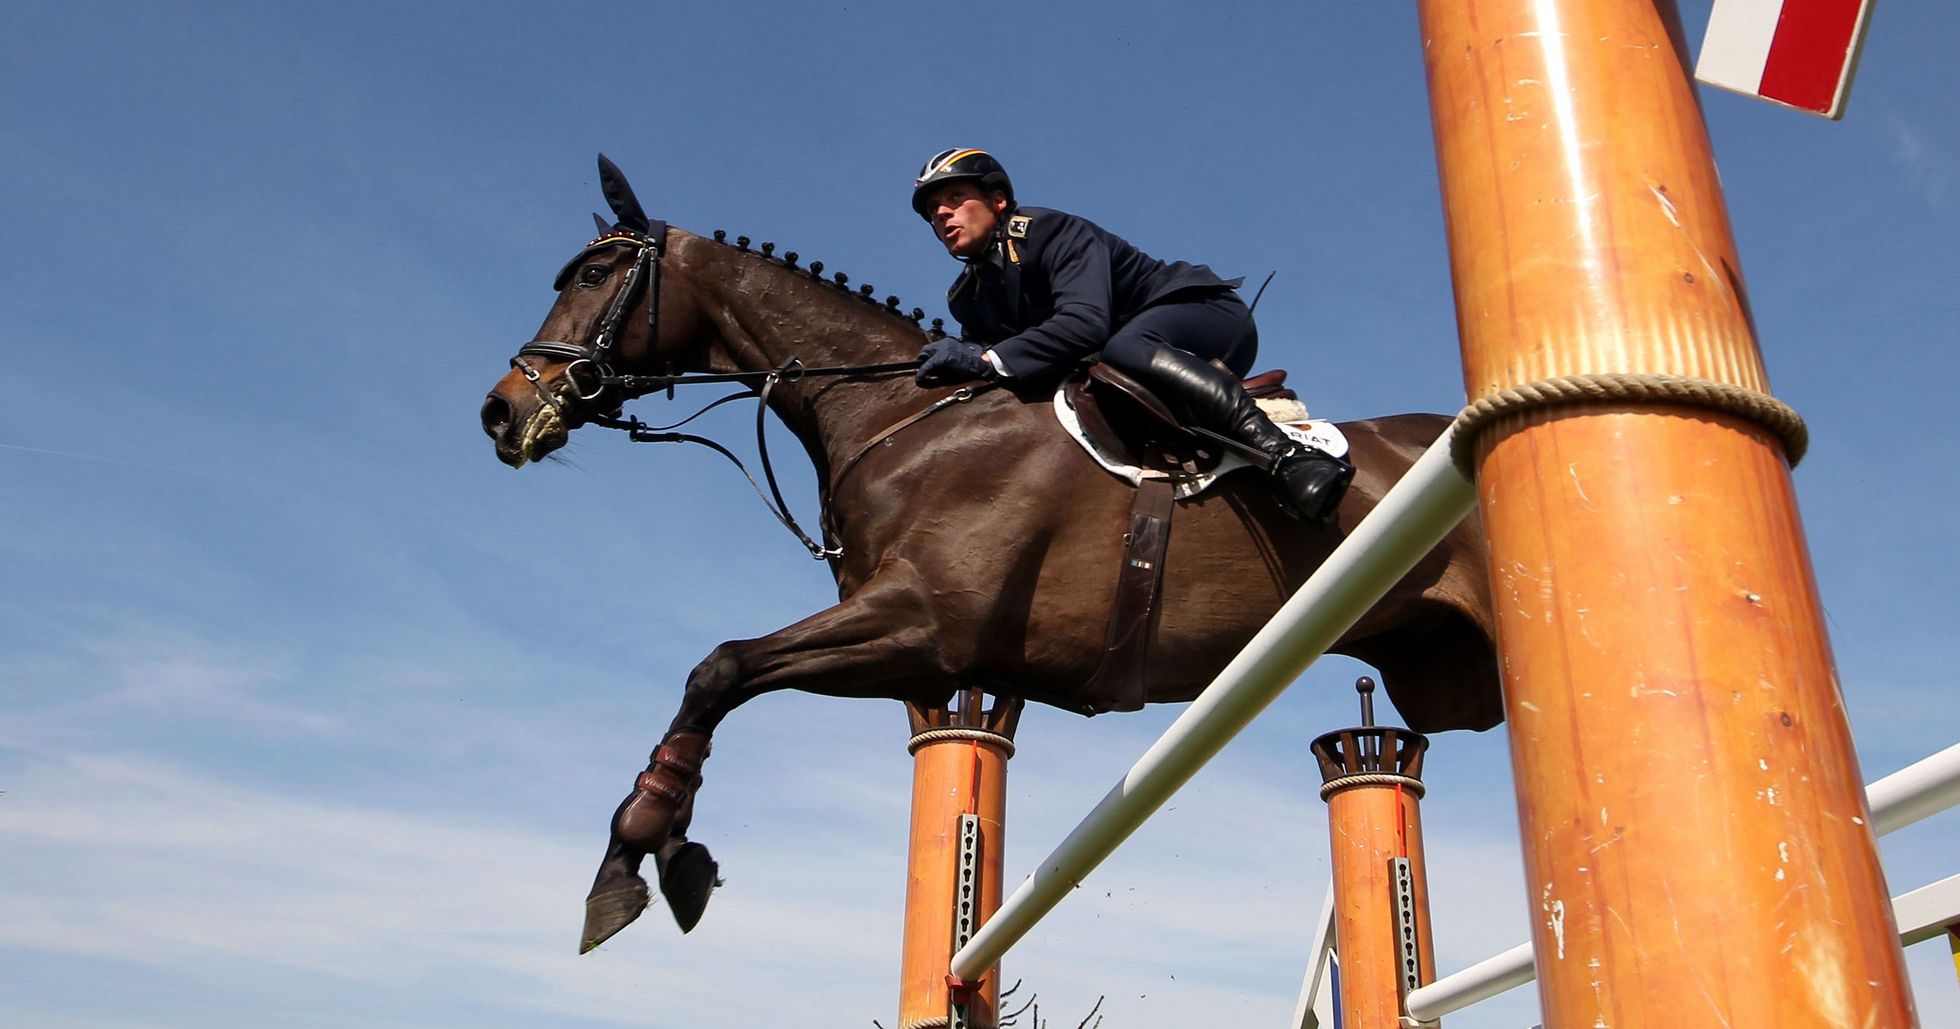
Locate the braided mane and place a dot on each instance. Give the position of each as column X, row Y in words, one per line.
column 838, row 280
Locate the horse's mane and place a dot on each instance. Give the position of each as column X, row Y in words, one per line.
column 865, row 293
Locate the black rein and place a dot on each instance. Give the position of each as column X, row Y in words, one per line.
column 639, row 432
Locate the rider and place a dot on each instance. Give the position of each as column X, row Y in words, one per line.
column 1044, row 289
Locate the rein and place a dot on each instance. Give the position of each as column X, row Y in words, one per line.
column 790, row 371
column 597, row 354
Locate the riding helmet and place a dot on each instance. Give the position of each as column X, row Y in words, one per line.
column 959, row 163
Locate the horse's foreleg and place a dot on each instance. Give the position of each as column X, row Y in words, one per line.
column 859, row 648
column 654, row 819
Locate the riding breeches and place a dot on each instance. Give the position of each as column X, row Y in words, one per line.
column 1212, row 325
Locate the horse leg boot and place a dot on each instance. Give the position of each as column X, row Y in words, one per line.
column 1309, row 481
column 648, row 821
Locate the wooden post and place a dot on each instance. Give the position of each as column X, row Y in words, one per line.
column 1697, row 841
column 959, row 767
column 1371, row 778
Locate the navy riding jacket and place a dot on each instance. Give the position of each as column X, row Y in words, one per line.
column 1056, row 287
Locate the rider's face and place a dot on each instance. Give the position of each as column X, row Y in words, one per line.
column 964, row 218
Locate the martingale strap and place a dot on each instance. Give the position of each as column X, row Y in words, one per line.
column 958, row 396
column 640, row 432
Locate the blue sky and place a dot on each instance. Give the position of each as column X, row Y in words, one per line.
column 313, row 713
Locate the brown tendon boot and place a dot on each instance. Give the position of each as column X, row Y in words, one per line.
column 660, row 792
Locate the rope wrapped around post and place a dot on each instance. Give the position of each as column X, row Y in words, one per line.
column 1605, row 387
column 1407, row 782
column 995, row 739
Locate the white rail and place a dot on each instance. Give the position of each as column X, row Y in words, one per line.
column 1922, row 788
column 1919, row 789
column 1416, row 514
column 1317, row 1000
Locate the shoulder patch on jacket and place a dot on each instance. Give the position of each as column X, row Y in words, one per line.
column 1017, row 226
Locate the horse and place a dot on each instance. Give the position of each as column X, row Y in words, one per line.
column 975, row 548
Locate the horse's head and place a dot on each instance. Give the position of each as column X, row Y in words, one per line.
column 616, row 314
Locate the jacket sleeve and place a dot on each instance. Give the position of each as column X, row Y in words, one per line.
column 1077, row 262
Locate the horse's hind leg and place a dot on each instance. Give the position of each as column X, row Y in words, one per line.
column 858, row 648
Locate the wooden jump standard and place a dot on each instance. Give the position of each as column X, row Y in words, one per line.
column 1371, row 778
column 953, row 874
column 1696, row 839
column 1914, row 792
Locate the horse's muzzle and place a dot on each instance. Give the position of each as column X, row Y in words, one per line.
column 496, row 417
column 504, row 424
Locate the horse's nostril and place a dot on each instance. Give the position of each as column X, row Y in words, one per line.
column 496, row 416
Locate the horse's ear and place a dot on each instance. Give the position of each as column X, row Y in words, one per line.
column 600, row 220
column 619, row 196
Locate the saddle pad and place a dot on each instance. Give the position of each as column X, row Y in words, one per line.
column 1318, row 433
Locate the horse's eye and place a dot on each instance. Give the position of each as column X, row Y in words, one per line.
column 593, row 274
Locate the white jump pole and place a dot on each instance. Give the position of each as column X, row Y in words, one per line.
column 1923, row 788
column 1410, row 520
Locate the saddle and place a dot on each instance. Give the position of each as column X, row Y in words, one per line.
column 1132, row 426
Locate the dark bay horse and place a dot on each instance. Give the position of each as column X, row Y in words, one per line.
column 976, row 548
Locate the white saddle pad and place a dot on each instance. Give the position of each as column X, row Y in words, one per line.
column 1289, row 415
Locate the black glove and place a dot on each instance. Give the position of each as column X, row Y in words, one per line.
column 949, row 361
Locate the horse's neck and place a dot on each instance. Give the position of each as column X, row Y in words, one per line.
column 766, row 314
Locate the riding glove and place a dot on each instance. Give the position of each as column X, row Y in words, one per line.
column 948, row 362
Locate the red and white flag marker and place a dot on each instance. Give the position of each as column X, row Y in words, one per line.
column 1799, row 53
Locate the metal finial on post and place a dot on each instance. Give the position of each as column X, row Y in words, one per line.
column 1366, row 687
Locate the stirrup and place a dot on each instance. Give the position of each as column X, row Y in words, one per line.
column 1321, row 497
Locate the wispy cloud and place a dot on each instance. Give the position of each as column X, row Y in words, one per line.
column 65, row 455
column 1925, row 162
column 145, row 863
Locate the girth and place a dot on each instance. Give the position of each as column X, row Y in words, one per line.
column 1123, row 414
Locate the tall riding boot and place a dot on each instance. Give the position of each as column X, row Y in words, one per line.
column 1309, row 481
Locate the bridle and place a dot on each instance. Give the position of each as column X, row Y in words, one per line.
column 597, row 354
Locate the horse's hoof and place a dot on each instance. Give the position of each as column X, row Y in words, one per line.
column 688, row 876
column 609, row 912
